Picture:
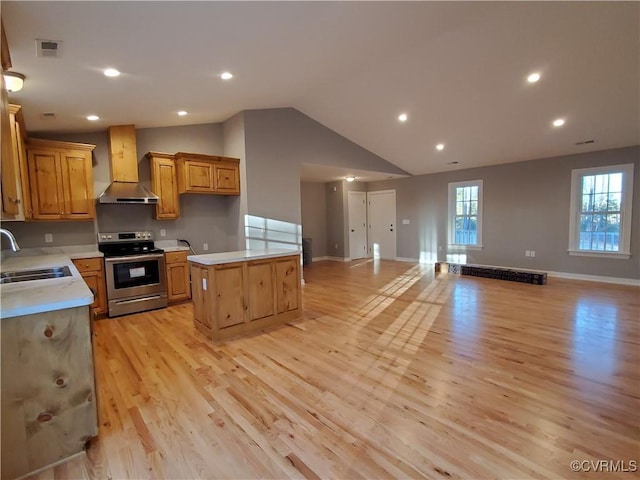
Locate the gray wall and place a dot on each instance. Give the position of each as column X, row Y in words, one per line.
column 526, row 207
column 234, row 146
column 313, row 206
column 277, row 142
column 204, row 217
column 336, row 219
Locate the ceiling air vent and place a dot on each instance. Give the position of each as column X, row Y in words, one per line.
column 48, row 48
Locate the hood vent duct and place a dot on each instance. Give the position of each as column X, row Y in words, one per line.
column 123, row 163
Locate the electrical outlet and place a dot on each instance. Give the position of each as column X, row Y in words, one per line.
column 335, row 245
column 48, row 238
column 205, row 247
column 163, row 232
column 533, row 253
column 527, row 253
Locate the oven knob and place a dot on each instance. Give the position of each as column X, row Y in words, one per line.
column 109, row 237
column 104, row 237
column 138, row 235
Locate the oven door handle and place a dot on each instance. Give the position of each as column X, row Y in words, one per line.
column 149, row 256
column 136, row 300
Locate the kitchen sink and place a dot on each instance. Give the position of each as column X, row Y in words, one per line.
column 39, row 274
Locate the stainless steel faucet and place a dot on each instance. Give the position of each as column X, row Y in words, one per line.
column 12, row 239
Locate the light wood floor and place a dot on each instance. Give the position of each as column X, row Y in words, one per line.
column 392, row 373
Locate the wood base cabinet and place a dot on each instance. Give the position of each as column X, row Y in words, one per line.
column 178, row 280
column 235, row 298
column 92, row 271
column 48, row 392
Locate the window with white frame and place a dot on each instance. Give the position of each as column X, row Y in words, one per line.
column 465, row 213
column 601, row 211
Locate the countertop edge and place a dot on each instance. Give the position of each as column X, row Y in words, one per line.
column 239, row 256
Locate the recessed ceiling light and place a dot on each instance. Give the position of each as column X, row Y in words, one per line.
column 182, row 113
column 403, row 117
column 533, row 78
column 226, row 76
column 558, row 122
column 350, row 178
column 93, row 118
column 440, row 146
column 111, row 72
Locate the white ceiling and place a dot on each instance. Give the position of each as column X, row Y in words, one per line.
column 458, row 69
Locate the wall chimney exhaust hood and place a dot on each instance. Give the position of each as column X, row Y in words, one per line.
column 123, row 164
column 125, row 192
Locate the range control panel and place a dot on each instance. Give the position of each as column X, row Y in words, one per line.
column 124, row 237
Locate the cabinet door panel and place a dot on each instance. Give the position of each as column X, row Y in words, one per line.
column 287, row 284
column 229, row 285
column 46, row 184
column 10, row 169
column 177, row 281
column 164, row 185
column 227, row 179
column 199, row 176
column 261, row 292
column 78, row 185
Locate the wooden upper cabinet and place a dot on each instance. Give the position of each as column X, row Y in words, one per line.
column 164, row 183
column 123, row 153
column 60, row 180
column 207, row 174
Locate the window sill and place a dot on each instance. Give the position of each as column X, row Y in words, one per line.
column 591, row 253
column 462, row 248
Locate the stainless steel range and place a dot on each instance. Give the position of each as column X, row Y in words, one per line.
column 135, row 270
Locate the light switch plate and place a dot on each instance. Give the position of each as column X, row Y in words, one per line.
column 163, row 232
column 205, row 247
column 48, row 238
column 406, row 221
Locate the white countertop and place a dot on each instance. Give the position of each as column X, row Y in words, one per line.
column 179, row 248
column 37, row 296
column 240, row 256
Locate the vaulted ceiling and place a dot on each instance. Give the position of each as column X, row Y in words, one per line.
column 458, row 70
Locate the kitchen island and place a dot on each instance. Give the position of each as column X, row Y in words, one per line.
column 235, row 293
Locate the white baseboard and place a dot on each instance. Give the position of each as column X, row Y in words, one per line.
column 572, row 276
column 596, row 278
column 319, row 259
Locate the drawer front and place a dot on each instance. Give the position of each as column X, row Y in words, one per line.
column 88, row 264
column 176, row 257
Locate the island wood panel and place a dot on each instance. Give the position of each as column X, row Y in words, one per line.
column 393, row 372
column 288, row 284
column 261, row 289
column 230, row 297
column 201, row 296
column 48, row 394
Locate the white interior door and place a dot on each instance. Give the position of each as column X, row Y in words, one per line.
column 382, row 224
column 357, row 224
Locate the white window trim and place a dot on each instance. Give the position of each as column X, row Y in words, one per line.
column 625, row 213
column 451, row 215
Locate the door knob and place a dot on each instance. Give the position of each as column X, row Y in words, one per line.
column 352, row 230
